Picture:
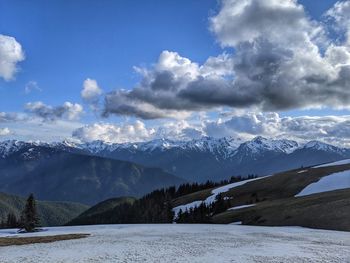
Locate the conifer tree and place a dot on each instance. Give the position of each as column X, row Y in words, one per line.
column 11, row 221
column 29, row 218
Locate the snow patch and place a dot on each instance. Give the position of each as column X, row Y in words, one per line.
column 241, row 207
column 186, row 207
column 302, row 171
column 346, row 161
column 214, row 193
column 328, row 183
column 236, row 223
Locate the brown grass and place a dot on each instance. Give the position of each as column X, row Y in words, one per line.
column 18, row 241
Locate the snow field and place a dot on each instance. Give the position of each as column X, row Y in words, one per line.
column 185, row 243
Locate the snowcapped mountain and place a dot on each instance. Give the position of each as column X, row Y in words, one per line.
column 196, row 160
column 27, row 149
column 260, row 144
column 320, row 146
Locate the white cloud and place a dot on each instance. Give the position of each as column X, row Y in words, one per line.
column 91, row 93
column 10, row 54
column 137, row 131
column 282, row 60
column 35, row 129
column 5, row 131
column 31, row 86
column 330, row 129
column 68, row 110
column 114, row 133
column 9, row 116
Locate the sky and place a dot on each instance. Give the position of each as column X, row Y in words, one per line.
column 122, row 71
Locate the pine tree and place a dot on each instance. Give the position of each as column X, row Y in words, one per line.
column 2, row 223
column 29, row 218
column 11, row 221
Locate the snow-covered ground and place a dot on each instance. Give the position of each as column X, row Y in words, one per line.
column 327, row 183
column 241, row 207
column 214, row 193
column 185, row 243
column 342, row 162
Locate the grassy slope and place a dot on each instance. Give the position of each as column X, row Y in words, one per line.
column 276, row 204
column 50, row 213
column 328, row 210
column 100, row 208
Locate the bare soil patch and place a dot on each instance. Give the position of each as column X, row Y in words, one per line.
column 17, row 241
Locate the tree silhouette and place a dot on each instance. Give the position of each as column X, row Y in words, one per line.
column 29, row 218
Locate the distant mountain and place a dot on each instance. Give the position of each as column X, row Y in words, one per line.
column 50, row 213
column 216, row 159
column 57, row 175
column 206, row 158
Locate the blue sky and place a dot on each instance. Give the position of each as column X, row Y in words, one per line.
column 66, row 42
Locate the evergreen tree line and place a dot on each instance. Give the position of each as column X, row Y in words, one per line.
column 203, row 213
column 11, row 221
column 156, row 207
column 27, row 222
column 152, row 208
column 189, row 188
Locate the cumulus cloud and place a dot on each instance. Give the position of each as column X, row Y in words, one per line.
column 179, row 130
column 31, row 86
column 159, row 93
column 340, row 12
column 68, row 110
column 10, row 54
column 331, row 129
column 5, row 131
column 137, row 132
column 282, row 60
column 91, row 93
column 114, row 133
column 9, row 117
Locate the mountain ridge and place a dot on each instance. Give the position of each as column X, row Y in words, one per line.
column 199, row 159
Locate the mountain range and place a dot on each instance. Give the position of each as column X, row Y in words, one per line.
column 95, row 171
column 56, row 175
column 213, row 159
column 216, row 159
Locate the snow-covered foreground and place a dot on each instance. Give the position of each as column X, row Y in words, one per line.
column 185, row 243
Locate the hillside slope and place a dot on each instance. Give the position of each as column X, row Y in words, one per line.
column 50, row 213
column 98, row 210
column 317, row 197
column 56, row 175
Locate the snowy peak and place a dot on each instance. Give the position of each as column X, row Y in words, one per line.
column 205, row 144
column 9, row 147
column 27, row 149
column 162, row 144
column 221, row 148
column 261, row 144
column 320, row 146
